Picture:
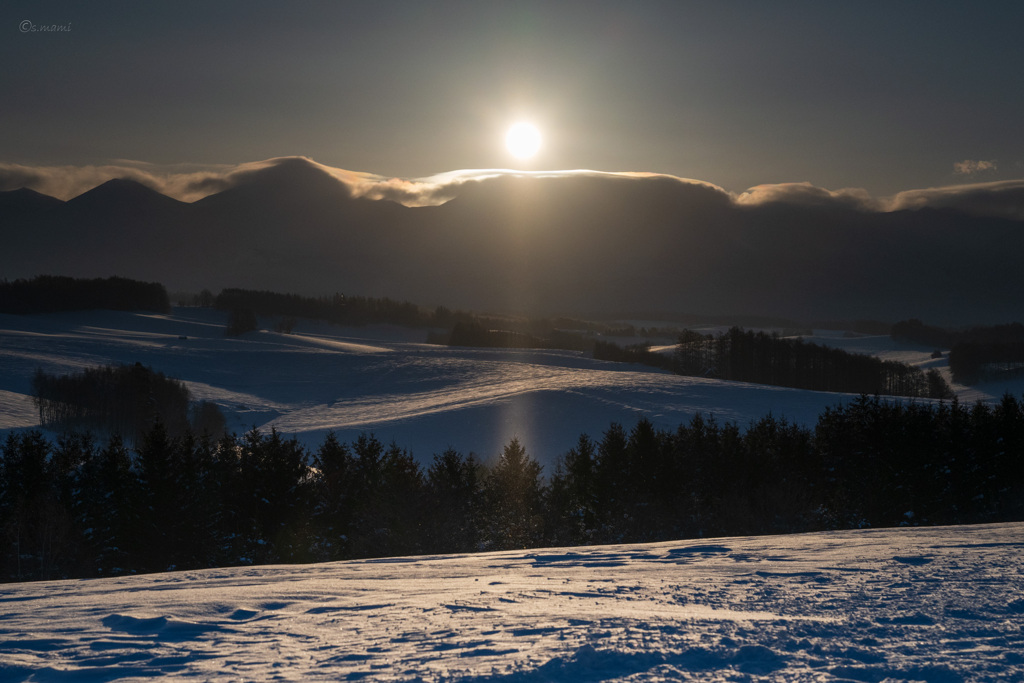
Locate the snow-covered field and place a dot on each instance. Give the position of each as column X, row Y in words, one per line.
column 934, row 604
column 379, row 379
column 924, row 604
column 385, row 380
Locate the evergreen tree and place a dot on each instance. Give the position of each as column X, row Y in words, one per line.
column 612, row 467
column 1008, row 465
column 453, row 503
column 335, row 497
column 514, row 494
column 233, row 527
column 157, row 466
column 572, row 496
column 29, row 511
column 397, row 508
column 369, row 453
column 106, row 510
column 71, row 454
column 642, row 481
column 277, row 498
column 199, row 492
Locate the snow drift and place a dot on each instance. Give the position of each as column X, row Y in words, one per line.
column 935, row 604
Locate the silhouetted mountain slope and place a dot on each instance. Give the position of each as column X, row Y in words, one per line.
column 24, row 199
column 123, row 195
column 577, row 243
column 294, row 227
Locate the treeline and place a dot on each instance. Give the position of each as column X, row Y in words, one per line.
column 976, row 354
column 75, row 508
column 338, row 309
column 477, row 333
column 971, row 362
column 633, row 353
column 761, row 358
column 50, row 294
column 451, row 327
column 943, row 338
column 120, row 399
column 869, row 463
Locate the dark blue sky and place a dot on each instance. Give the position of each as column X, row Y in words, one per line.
column 886, row 96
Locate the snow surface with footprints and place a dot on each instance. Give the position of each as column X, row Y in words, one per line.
column 930, row 604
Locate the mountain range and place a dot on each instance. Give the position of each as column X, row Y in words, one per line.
column 578, row 244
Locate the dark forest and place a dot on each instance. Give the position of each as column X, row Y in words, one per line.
column 78, row 507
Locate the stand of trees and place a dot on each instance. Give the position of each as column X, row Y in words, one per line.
column 976, row 354
column 338, row 309
column 49, row 294
column 633, row 353
column 465, row 328
column 120, row 399
column 476, row 333
column 917, row 332
column 243, row 320
column 78, row 508
column 760, row 358
column 747, row 356
column 972, row 362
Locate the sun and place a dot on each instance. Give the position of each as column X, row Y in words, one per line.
column 523, row 140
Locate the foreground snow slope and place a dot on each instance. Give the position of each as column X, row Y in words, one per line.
column 935, row 604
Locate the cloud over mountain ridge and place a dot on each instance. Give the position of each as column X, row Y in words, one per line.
column 191, row 182
column 543, row 242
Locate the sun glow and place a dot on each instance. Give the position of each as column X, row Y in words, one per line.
column 523, row 140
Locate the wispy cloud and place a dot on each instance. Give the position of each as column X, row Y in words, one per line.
column 442, row 187
column 1002, row 199
column 806, row 194
column 972, row 167
column 190, row 182
column 186, row 183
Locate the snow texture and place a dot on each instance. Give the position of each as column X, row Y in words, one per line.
column 929, row 604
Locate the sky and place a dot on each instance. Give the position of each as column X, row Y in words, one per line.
column 884, row 96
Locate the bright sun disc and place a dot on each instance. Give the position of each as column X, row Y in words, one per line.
column 522, row 140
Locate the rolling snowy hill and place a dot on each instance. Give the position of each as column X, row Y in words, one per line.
column 385, row 380
column 381, row 380
column 926, row 604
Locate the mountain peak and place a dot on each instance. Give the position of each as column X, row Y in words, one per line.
column 123, row 196
column 291, row 180
column 26, row 198
column 119, row 188
column 122, row 190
